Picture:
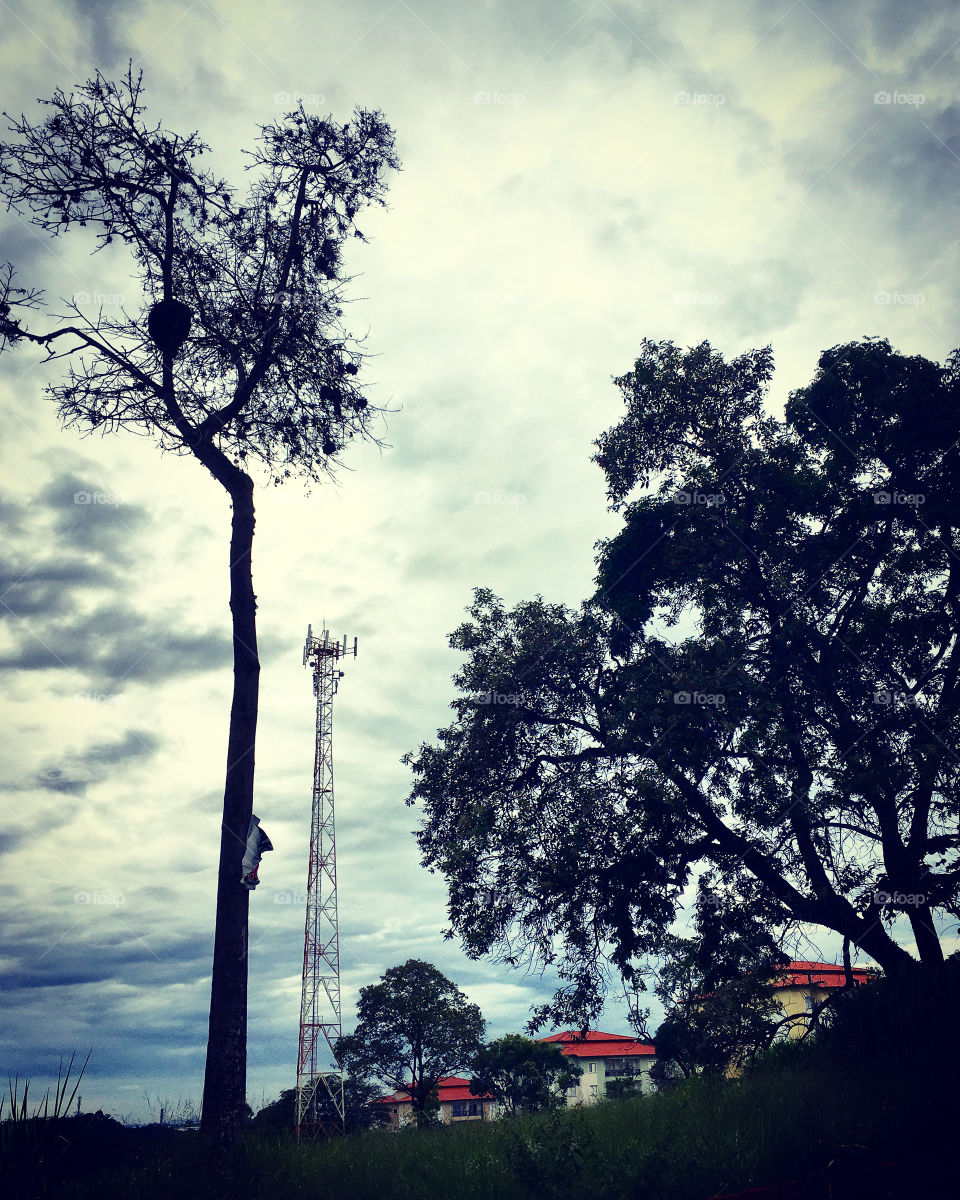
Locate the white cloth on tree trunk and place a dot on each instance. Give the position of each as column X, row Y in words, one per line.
column 257, row 843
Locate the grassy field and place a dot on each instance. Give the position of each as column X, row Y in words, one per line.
column 880, row 1085
column 704, row 1139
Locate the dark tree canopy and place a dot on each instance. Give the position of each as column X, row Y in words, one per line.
column 414, row 1027
column 266, row 374
column 524, row 1075
column 759, row 704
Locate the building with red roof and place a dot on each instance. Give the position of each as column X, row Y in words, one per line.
column 799, row 986
column 604, row 1057
column 457, row 1103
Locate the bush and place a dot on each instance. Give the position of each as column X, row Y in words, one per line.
column 908, row 1019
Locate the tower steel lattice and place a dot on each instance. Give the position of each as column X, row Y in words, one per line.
column 319, row 1078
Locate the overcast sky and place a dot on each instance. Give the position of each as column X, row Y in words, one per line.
column 576, row 177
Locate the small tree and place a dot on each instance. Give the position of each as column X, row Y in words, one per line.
column 234, row 354
column 414, row 1027
column 524, row 1075
column 360, row 1109
column 721, row 1008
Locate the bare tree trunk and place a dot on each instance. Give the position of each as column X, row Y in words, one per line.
column 225, row 1079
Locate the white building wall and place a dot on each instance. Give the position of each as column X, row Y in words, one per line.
column 592, row 1085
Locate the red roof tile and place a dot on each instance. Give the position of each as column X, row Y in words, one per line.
column 595, row 1044
column 450, row 1087
column 817, row 974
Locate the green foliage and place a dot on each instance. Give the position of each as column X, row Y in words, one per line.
column 413, row 1027
column 721, row 1009
column 797, row 1110
column 360, row 1111
column 623, row 1089
column 905, row 1023
column 524, row 1075
column 707, row 1137
column 761, row 695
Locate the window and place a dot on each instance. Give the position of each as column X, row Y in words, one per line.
column 592, row 1068
column 593, row 1089
column 808, row 1003
column 467, row 1108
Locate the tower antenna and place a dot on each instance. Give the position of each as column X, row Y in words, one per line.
column 320, row 1109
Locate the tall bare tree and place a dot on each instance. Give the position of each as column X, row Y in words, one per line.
column 237, row 356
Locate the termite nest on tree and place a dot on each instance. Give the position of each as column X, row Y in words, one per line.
column 168, row 324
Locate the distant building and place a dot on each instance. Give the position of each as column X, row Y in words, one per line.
column 604, row 1057
column 457, row 1104
column 800, row 986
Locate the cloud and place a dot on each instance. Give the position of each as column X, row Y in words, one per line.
column 569, row 171
column 70, row 589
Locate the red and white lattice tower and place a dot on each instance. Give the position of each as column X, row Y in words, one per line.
column 319, row 1078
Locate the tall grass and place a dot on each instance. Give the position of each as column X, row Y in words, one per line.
column 881, row 1085
column 29, row 1141
column 705, row 1138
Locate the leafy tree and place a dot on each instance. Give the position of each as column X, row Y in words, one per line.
column 716, row 988
column 623, row 1089
column 714, row 1032
column 414, row 1027
column 235, row 354
column 524, row 1075
column 761, row 701
column 360, row 1110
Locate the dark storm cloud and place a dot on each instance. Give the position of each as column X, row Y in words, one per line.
column 90, row 518
column 84, row 942
column 113, row 646
column 44, row 589
column 10, row 840
column 894, row 26
column 25, row 248
column 916, row 158
column 55, row 779
column 13, row 516
column 135, row 743
column 80, row 770
column 76, row 552
column 100, row 20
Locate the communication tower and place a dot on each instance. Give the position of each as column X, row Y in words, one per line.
column 319, row 1078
